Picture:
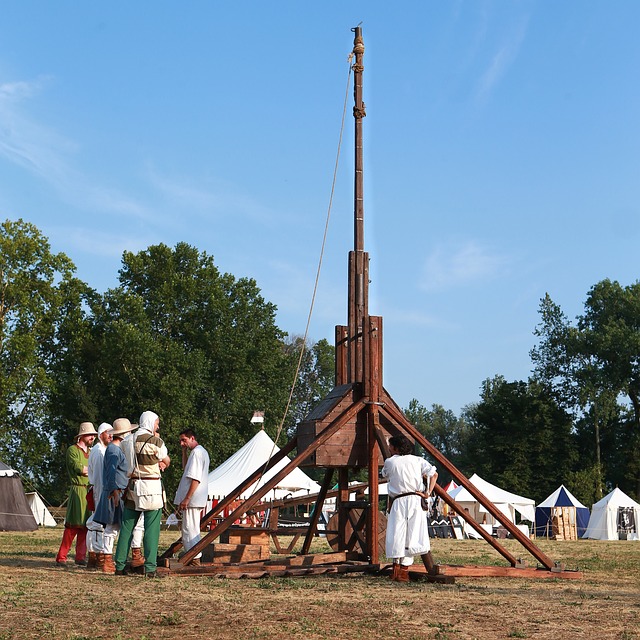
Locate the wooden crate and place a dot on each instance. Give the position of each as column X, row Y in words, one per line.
column 563, row 523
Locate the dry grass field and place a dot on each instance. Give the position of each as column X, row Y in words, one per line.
column 40, row 600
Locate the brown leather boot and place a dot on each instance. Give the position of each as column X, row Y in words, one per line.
column 108, row 566
column 99, row 561
column 137, row 560
column 92, row 561
column 403, row 573
column 395, row 571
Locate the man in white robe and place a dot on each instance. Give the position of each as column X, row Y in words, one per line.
column 407, row 528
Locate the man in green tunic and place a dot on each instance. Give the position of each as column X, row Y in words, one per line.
column 76, row 461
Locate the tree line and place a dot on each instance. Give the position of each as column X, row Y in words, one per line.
column 202, row 349
column 199, row 347
column 575, row 421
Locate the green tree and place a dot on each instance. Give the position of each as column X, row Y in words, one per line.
column 565, row 362
column 592, row 363
column 612, row 320
column 315, row 377
column 520, row 438
column 443, row 429
column 177, row 337
column 36, row 285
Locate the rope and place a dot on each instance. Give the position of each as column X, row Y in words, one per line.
column 315, row 286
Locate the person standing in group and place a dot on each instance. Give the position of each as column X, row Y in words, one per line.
column 114, row 483
column 144, row 495
column 191, row 496
column 76, row 461
column 407, row 528
column 94, row 473
column 137, row 558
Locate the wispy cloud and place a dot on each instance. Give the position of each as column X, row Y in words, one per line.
column 25, row 142
column 501, row 60
column 209, row 197
column 450, row 266
column 100, row 244
column 49, row 156
column 397, row 317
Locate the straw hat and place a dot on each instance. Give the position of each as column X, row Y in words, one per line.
column 122, row 426
column 86, row 429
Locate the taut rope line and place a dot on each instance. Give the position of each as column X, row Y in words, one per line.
column 315, row 286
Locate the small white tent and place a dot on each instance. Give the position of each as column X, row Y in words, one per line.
column 253, row 455
column 39, row 509
column 507, row 502
column 615, row 517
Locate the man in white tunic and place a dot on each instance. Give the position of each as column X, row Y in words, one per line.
column 94, row 471
column 191, row 496
column 407, row 528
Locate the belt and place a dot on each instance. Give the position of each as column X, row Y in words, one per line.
column 403, row 495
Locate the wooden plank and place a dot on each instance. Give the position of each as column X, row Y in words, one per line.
column 472, row 571
column 341, row 335
column 312, row 559
column 222, row 553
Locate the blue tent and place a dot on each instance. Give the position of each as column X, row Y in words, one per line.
column 561, row 497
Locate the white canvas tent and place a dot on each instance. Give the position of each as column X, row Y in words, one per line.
column 508, row 503
column 253, row 455
column 615, row 517
column 39, row 509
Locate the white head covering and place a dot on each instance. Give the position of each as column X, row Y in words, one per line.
column 105, row 426
column 148, row 421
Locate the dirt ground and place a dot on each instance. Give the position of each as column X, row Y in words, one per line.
column 40, row 600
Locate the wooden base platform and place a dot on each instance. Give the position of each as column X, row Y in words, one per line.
column 343, row 563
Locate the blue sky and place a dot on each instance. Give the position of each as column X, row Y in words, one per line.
column 502, row 158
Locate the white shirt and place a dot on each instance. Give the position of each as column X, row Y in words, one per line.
column 127, row 446
column 95, row 465
column 197, row 468
column 405, row 473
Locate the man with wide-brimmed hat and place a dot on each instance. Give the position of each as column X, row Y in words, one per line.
column 115, row 478
column 96, row 462
column 76, row 461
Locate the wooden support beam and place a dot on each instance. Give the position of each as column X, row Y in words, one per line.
column 356, row 531
column 341, row 344
column 289, row 548
column 317, row 511
column 333, row 427
column 232, row 497
column 394, row 414
column 373, row 387
column 441, row 493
